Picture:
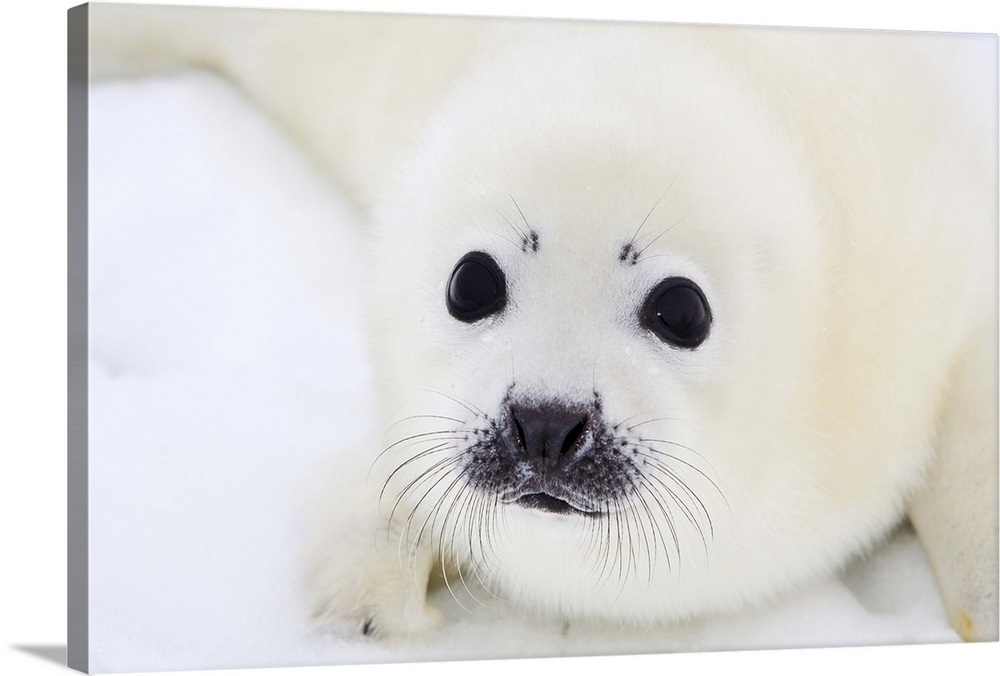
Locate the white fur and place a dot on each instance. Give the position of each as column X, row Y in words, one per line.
column 831, row 192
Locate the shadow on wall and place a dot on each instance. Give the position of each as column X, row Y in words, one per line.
column 50, row 653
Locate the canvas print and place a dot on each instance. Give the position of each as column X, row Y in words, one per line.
column 412, row 337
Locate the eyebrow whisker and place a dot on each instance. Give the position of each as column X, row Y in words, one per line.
column 531, row 240
column 631, row 242
column 653, row 241
column 517, row 230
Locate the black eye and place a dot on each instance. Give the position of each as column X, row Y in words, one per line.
column 477, row 288
column 677, row 312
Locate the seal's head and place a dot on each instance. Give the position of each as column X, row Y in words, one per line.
column 598, row 334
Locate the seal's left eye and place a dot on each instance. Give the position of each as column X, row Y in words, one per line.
column 677, row 312
column 477, row 288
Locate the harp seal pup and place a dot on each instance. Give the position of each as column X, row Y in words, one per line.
column 665, row 321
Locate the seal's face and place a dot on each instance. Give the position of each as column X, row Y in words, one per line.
column 557, row 455
column 596, row 336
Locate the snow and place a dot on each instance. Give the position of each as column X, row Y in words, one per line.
column 227, row 366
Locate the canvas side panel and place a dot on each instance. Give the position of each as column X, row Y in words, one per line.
column 77, row 405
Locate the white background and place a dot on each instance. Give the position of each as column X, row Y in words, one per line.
column 32, row 327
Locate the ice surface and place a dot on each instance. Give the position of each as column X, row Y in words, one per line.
column 227, row 365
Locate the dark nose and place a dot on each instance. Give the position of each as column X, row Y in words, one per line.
column 548, row 432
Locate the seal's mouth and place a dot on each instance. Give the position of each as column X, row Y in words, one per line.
column 549, row 503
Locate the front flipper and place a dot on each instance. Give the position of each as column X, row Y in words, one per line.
column 361, row 577
column 955, row 513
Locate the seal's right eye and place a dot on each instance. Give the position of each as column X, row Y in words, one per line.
column 477, row 288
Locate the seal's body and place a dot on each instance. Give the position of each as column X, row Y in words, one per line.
column 668, row 320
